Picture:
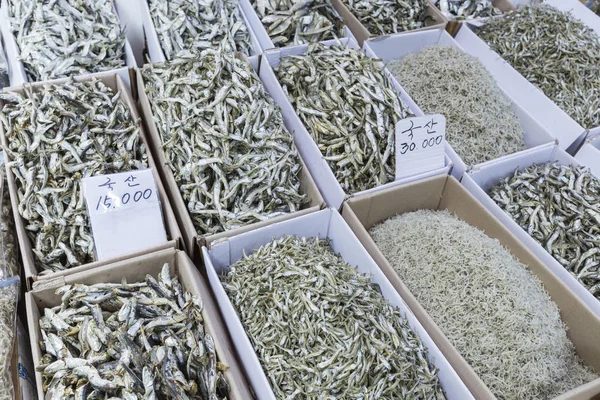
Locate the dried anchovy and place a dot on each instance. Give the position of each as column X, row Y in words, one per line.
column 64, row 38
column 129, row 341
column 467, row 9
column 9, row 292
column 194, row 25
column 350, row 109
column 9, row 252
column 293, row 22
column 224, row 139
column 480, row 122
column 385, row 17
column 57, row 135
column 554, row 51
column 558, row 206
column 323, row 330
column 489, row 305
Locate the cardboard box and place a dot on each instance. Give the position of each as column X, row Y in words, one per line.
column 17, row 73
column 393, row 47
column 135, row 270
column 129, row 13
column 324, row 224
column 589, row 155
column 332, row 192
column 113, row 81
column 439, row 193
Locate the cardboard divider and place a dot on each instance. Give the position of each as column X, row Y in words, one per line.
column 589, row 155
column 438, row 193
column 113, row 81
column 135, row 270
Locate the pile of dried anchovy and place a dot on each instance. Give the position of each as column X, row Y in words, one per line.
column 9, row 294
column 224, row 139
column 554, row 51
column 194, row 26
column 489, row 305
column 57, row 135
column 323, row 330
column 66, row 38
column 9, row 252
column 385, row 17
column 558, row 206
column 350, row 109
column 480, row 123
column 293, row 22
column 130, row 341
column 467, row 9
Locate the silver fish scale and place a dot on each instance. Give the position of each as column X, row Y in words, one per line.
column 467, row 9
column 195, row 25
column 350, row 109
column 558, row 205
column 322, row 330
column 65, row 38
column 384, row 17
column 56, row 136
column 224, row 140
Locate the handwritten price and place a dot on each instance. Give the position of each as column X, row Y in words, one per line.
column 406, row 147
column 109, row 201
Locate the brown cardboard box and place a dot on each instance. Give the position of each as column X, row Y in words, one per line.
column 135, row 270
column 113, row 81
column 443, row 192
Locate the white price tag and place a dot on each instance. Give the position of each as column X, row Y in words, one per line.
column 420, row 143
column 124, row 212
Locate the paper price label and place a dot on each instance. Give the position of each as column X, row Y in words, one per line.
column 420, row 143
column 125, row 212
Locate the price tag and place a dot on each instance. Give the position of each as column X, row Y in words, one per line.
column 125, row 212
column 420, row 143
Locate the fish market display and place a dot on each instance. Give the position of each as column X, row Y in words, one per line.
column 142, row 340
column 494, row 311
column 385, row 17
column 4, row 79
column 467, row 9
column 556, row 52
column 293, row 22
column 350, row 109
column 9, row 293
column 9, row 252
column 558, row 206
column 224, row 139
column 57, row 135
column 480, row 123
column 194, row 26
column 64, row 38
column 323, row 330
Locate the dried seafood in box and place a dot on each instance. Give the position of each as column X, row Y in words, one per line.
column 9, row 251
column 385, row 17
column 350, row 109
column 57, row 134
column 480, row 122
column 224, row 139
column 323, row 330
column 467, row 9
column 494, row 311
column 9, row 294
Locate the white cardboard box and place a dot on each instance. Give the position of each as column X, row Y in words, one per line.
column 393, row 47
column 325, row 224
column 330, row 188
column 129, row 13
column 589, row 155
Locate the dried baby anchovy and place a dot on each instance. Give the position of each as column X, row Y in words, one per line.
column 195, row 25
column 57, row 135
column 489, row 305
column 9, row 292
column 350, row 109
column 323, row 330
column 9, row 252
column 554, row 51
column 558, row 206
column 224, row 139
column 467, row 9
column 142, row 340
column 293, row 22
column 385, row 17
column 65, row 38
column 481, row 125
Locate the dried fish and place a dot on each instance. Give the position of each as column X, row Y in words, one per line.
column 65, row 38
column 194, row 25
column 558, row 206
column 293, row 22
column 9, row 292
column 143, row 340
column 385, row 17
column 56, row 135
column 224, row 139
column 350, row 109
column 480, row 122
column 554, row 51
column 323, row 330
column 467, row 9
column 490, row 306
column 9, row 252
